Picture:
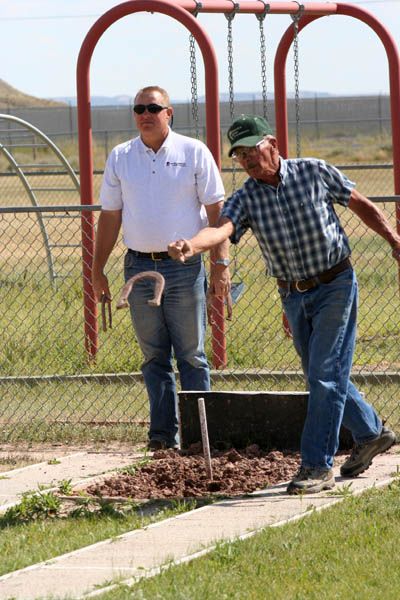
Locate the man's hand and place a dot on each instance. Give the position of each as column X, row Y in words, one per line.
column 220, row 281
column 100, row 287
column 220, row 286
column 180, row 250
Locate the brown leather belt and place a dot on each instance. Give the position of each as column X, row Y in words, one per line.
column 307, row 284
column 151, row 255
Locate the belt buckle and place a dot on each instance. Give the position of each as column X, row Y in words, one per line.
column 153, row 256
column 296, row 285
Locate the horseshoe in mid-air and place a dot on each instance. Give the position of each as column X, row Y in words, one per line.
column 158, row 288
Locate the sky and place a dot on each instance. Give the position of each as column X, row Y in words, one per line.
column 40, row 42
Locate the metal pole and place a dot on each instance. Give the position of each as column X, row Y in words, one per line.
column 86, row 155
column 204, row 437
column 86, row 179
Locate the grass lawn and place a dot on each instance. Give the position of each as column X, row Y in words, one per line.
column 15, row 461
column 347, row 552
column 26, row 543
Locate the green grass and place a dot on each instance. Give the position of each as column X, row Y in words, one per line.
column 43, row 327
column 76, row 412
column 347, row 552
column 15, row 461
column 335, row 148
column 357, row 149
column 26, row 543
column 339, row 150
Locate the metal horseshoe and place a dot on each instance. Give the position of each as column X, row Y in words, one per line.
column 158, row 288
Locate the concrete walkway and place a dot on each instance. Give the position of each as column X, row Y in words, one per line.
column 77, row 467
column 143, row 552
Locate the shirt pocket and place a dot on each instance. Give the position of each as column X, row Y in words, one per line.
column 179, row 176
column 313, row 206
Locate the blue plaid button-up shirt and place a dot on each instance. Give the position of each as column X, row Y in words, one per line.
column 295, row 223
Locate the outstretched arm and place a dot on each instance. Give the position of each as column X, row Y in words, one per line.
column 204, row 240
column 374, row 218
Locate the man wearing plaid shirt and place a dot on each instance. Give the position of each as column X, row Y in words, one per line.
column 289, row 206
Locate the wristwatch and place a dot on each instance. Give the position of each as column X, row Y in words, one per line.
column 223, row 261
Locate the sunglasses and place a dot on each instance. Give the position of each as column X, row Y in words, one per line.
column 151, row 108
column 243, row 154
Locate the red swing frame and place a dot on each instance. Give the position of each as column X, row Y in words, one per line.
column 181, row 10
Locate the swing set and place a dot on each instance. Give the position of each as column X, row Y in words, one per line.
column 186, row 11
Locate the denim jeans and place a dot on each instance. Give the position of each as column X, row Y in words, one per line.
column 177, row 327
column 323, row 324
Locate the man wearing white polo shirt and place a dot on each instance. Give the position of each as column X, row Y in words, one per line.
column 162, row 186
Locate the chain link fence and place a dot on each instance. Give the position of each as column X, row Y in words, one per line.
column 320, row 117
column 49, row 389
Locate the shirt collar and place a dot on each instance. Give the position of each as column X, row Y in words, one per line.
column 283, row 168
column 166, row 143
column 282, row 171
column 168, row 140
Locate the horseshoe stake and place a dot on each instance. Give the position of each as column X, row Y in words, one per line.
column 106, row 301
column 158, row 288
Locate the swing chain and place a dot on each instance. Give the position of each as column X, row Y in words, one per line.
column 238, row 288
column 263, row 56
column 193, row 76
column 230, row 16
column 296, row 18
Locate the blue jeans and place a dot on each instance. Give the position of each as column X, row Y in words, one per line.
column 177, row 326
column 323, row 324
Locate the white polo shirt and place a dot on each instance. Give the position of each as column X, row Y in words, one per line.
column 162, row 195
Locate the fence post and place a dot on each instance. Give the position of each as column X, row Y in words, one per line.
column 106, row 144
column 317, row 131
column 380, row 113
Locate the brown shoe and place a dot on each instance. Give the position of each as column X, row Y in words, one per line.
column 362, row 454
column 311, row 480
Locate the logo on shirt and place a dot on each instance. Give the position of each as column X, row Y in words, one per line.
column 176, row 164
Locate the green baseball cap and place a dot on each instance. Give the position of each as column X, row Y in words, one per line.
column 247, row 130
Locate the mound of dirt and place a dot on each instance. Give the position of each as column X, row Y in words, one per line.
column 172, row 474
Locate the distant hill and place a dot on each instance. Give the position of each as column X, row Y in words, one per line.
column 13, row 98
column 121, row 100
column 249, row 96
column 124, row 100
